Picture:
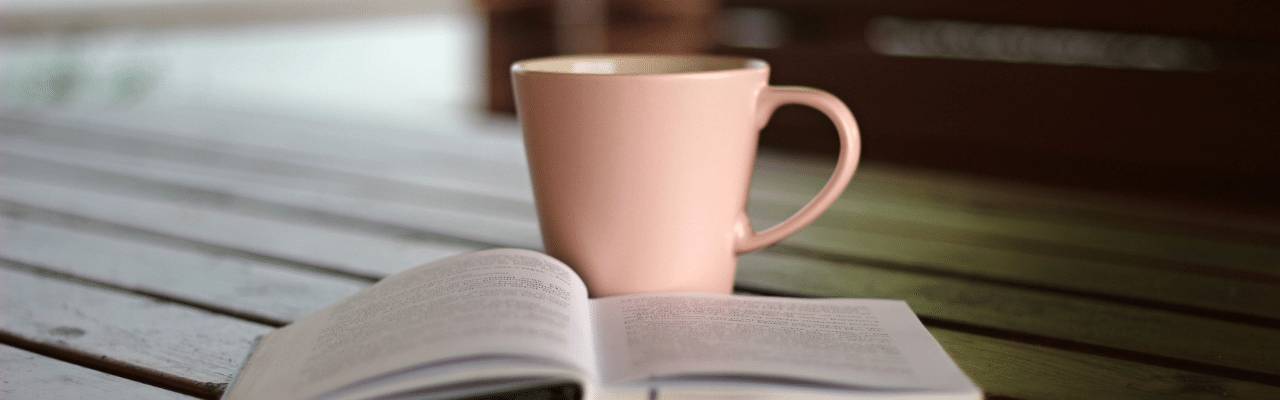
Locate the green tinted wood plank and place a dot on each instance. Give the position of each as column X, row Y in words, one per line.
column 1216, row 293
column 777, row 193
column 171, row 345
column 1098, row 208
column 1081, row 320
column 1019, row 370
column 26, row 375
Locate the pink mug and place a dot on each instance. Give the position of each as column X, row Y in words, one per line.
column 641, row 164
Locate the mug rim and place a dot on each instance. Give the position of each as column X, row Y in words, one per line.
column 714, row 64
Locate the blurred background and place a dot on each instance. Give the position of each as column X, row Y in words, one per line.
column 1171, row 100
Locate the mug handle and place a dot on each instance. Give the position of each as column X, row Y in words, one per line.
column 770, row 98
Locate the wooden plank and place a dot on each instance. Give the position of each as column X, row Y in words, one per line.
column 957, row 231
column 989, row 361
column 890, row 213
column 26, row 375
column 1069, row 331
column 1001, row 220
column 1219, row 296
column 1188, row 341
column 1007, row 368
column 302, row 241
column 500, row 186
column 270, row 199
column 272, row 133
column 375, row 155
column 1069, row 324
column 1011, row 369
column 499, row 143
column 780, row 190
column 1224, row 297
column 160, row 343
column 1018, row 381
column 477, row 136
column 242, row 287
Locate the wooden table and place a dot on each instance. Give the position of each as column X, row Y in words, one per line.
column 142, row 251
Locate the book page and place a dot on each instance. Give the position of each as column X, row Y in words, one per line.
column 502, row 302
column 856, row 343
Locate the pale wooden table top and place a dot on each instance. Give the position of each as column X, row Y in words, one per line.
column 141, row 253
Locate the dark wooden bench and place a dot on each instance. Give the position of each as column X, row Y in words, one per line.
column 141, row 252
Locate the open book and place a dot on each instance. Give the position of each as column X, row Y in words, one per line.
column 510, row 322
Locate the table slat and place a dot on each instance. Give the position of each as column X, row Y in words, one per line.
column 241, row 287
column 1024, row 371
column 1215, row 295
column 1223, row 296
column 26, row 375
column 1066, row 204
column 865, row 205
column 791, row 180
column 230, row 198
column 1072, row 323
column 171, row 345
column 991, row 222
column 491, row 139
column 354, row 253
column 274, row 200
column 1001, row 366
column 1201, row 343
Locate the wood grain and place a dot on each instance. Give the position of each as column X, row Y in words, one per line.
column 1210, row 295
column 496, row 141
column 955, row 298
column 1217, row 296
column 1006, row 368
column 279, row 201
column 1203, row 343
column 226, row 202
column 1003, row 367
column 311, row 244
column 242, row 287
column 781, row 187
column 161, row 343
column 26, row 375
column 1020, row 370
column 1040, row 217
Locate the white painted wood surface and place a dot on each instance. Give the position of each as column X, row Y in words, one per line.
column 314, row 244
column 250, row 224
column 244, row 287
column 30, row 376
column 193, row 350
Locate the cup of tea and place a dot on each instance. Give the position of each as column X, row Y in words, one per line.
column 641, row 164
